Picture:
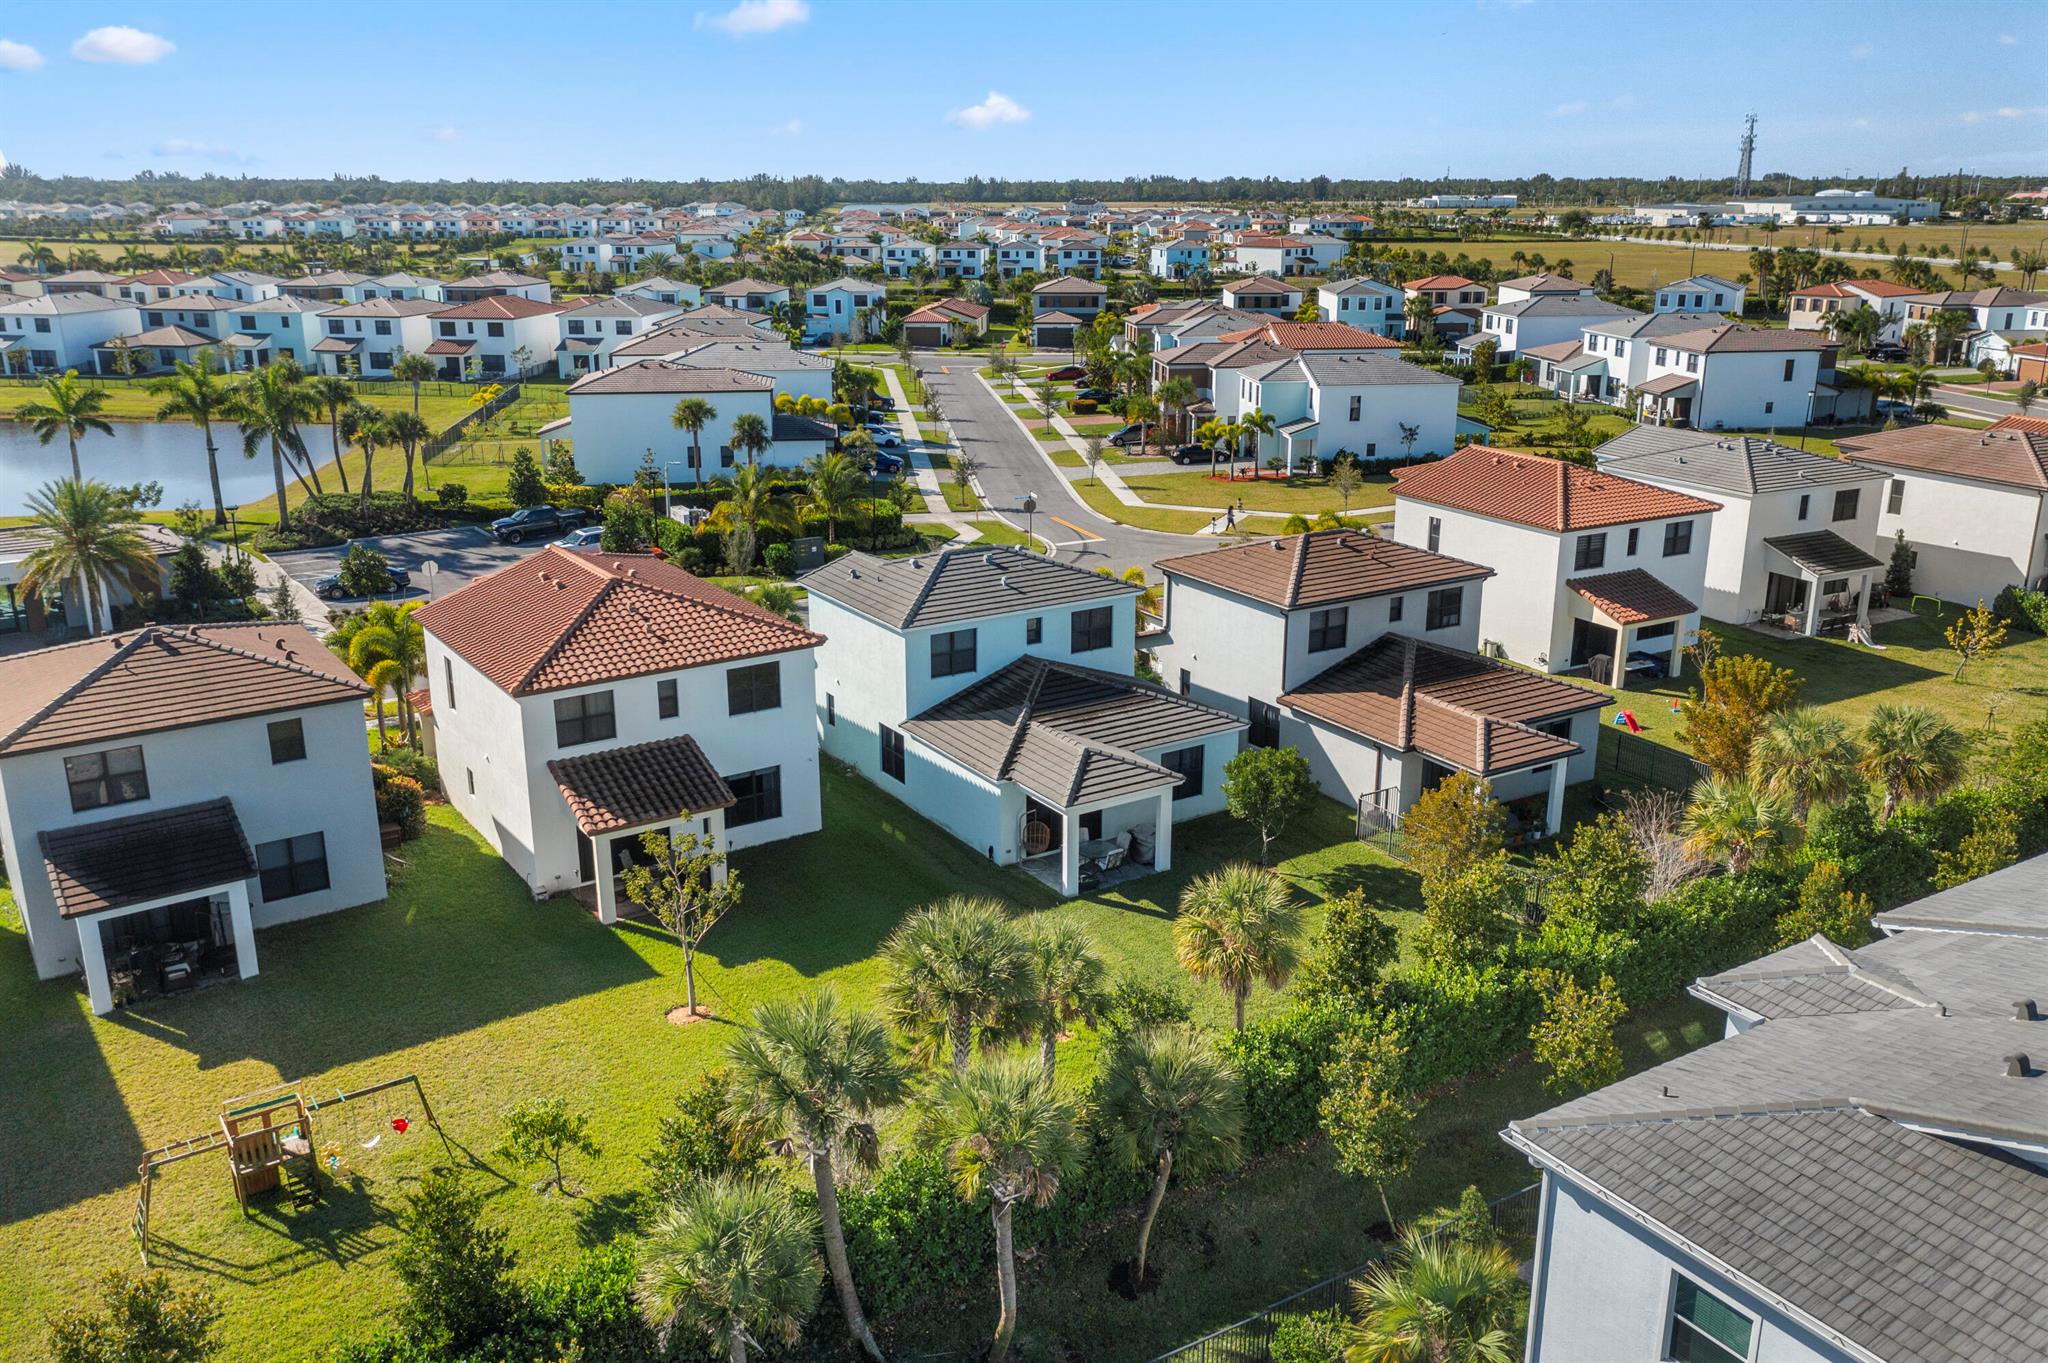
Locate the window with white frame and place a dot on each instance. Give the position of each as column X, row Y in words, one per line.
column 1705, row 1329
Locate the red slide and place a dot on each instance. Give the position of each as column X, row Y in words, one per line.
column 1628, row 717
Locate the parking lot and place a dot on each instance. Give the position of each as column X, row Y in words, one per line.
column 460, row 553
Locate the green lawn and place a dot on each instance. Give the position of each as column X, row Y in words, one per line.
column 1145, row 518
column 131, row 400
column 461, row 978
column 1306, row 493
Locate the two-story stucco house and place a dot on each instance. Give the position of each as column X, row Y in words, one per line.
column 167, row 791
column 1368, row 304
column 1059, row 306
column 842, row 307
column 1359, row 652
column 617, row 415
column 1592, row 566
column 1700, row 293
column 576, row 701
column 1731, row 377
column 1328, row 403
column 993, row 691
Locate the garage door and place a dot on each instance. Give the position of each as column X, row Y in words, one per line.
column 925, row 335
column 1054, row 338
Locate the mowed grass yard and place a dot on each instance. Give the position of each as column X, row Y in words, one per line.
column 1309, row 494
column 491, row 998
column 131, row 400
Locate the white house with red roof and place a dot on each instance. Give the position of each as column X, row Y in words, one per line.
column 1593, row 568
column 576, row 701
column 1809, row 309
column 503, row 335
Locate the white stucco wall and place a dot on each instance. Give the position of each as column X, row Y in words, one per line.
column 613, row 432
column 1973, row 539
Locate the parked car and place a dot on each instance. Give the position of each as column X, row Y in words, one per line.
column 535, row 521
column 329, row 588
column 1094, row 394
column 1068, row 373
column 1893, row 407
column 885, row 437
column 1131, row 435
column 888, row 463
column 1887, row 354
column 881, row 402
column 1196, row 454
column 589, row 537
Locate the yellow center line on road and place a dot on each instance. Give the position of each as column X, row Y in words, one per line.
column 1085, row 534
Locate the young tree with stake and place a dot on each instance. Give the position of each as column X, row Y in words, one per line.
column 686, row 884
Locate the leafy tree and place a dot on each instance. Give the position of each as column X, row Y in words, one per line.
column 1006, row 1133
column 1345, row 479
column 69, row 407
column 817, row 1074
column 1808, row 756
column 710, row 1131
column 140, row 1318
column 1728, row 709
column 284, row 604
column 1828, row 907
column 1991, row 846
column 733, row 1262
column 457, row 1272
column 952, row 969
column 1452, row 826
column 195, row 392
column 1268, row 788
column 1171, row 1102
column 364, row 571
column 1483, row 356
column 1438, row 1300
column 1739, row 823
column 628, row 523
column 685, row 882
column 1236, row 928
column 1978, row 634
column 1066, row 980
column 560, row 469
column 1369, row 1110
column 524, row 484
column 1351, row 952
column 1911, row 753
column 1575, row 1036
column 1600, row 878
column 1092, row 451
column 540, row 1132
column 1469, row 915
column 88, row 537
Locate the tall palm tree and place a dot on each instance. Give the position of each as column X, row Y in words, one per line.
column 1067, row 980
column 1236, row 928
column 1171, row 1101
column 750, row 435
column 364, row 427
column 1217, row 434
column 1008, row 1134
column 1176, row 395
column 334, row 395
column 415, row 370
column 817, row 1074
column 693, row 415
column 197, row 393
column 68, row 406
column 950, row 969
column 834, row 487
column 40, row 257
column 1439, row 1300
column 1250, row 426
column 1738, row 822
column 732, row 1261
column 1807, row 756
column 269, row 405
column 388, row 651
column 90, row 539
column 1912, row 754
column 409, row 431
column 753, row 502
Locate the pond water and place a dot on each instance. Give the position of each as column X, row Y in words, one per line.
column 172, row 453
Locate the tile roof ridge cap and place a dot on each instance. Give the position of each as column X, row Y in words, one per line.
column 1026, row 705
column 1792, row 1107
column 287, row 662
column 1297, row 569
column 92, row 674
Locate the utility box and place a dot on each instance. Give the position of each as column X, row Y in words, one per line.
column 809, row 551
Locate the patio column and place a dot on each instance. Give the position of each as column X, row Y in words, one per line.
column 243, row 927
column 1162, row 836
column 1070, row 854
column 1812, row 626
column 1677, row 663
column 607, row 887
column 93, row 959
column 1553, row 813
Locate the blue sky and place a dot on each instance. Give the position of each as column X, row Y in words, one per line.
column 947, row 88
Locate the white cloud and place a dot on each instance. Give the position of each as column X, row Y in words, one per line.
column 788, row 128
column 997, row 108
column 18, row 56
column 2009, row 111
column 1571, row 108
column 201, row 151
column 1861, row 51
column 1859, row 122
column 2008, row 40
column 445, row 133
column 757, row 16
column 124, row 45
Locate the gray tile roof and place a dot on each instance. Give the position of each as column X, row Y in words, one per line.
column 1814, row 978
column 969, row 583
column 1726, row 463
column 1562, row 305
column 1654, row 324
column 2013, row 901
column 1823, row 551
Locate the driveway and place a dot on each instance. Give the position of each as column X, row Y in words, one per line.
column 460, row 553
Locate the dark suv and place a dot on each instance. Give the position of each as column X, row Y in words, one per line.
column 536, row 521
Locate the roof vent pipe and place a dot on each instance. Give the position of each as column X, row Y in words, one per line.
column 2016, row 1066
column 2024, row 1011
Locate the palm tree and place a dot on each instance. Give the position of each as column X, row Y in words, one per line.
column 1171, row 1100
column 197, row 393
column 1911, row 753
column 693, row 415
column 949, row 969
column 1807, row 756
column 89, row 539
column 69, row 406
column 1176, row 395
column 817, row 1074
column 750, row 435
column 1236, row 928
column 269, row 405
column 415, row 370
column 388, row 650
column 1217, row 434
column 364, row 426
column 1067, row 980
column 731, row 1261
column 1738, row 822
column 409, row 431
column 333, row 394
column 834, row 488
column 753, row 501
column 40, row 257
column 1254, row 424
column 1439, row 1300
column 1008, row 1133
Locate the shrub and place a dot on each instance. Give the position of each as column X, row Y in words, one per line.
column 344, row 514
column 400, row 801
column 1297, row 524
column 1316, row 1338
column 1280, row 1060
column 1452, row 826
column 1457, row 1019
column 1354, row 948
column 141, row 1317
column 1469, row 915
column 457, row 1272
column 365, row 572
column 524, row 485
column 1084, row 406
column 699, row 1140
column 413, row 763
column 2023, row 607
column 451, row 494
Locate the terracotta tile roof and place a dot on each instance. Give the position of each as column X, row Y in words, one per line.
column 2004, row 453
column 164, row 677
column 640, row 784
column 1548, row 494
column 2035, row 425
column 559, row 619
column 444, row 346
column 113, row 863
column 1314, row 336
column 422, row 701
column 1883, row 288
column 1456, row 707
column 1322, row 566
column 500, row 307
column 1632, row 596
column 1441, row 281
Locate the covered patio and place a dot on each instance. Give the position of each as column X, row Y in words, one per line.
column 1817, row 583
column 1088, row 845
column 621, row 794
column 1628, row 622
column 161, row 900
column 1667, row 400
column 1298, row 443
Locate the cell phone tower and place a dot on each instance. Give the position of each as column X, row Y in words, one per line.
column 1748, row 155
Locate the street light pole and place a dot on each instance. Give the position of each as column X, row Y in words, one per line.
column 1030, row 505
column 234, row 532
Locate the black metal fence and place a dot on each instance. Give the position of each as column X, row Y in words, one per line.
column 1251, row 1340
column 1631, row 760
column 1379, row 822
column 452, row 436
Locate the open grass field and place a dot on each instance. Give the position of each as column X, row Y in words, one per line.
column 131, row 400
column 1304, row 493
column 1641, row 265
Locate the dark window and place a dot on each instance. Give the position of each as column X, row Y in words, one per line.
column 287, row 741
column 292, row 866
column 448, row 680
column 1897, row 497
column 1326, row 629
column 953, row 653
column 1187, row 762
column 1845, row 503
column 383, row 328
column 1633, row 534
column 665, row 699
column 892, row 753
column 1805, row 502
column 1034, row 630
column 1436, row 532
column 494, row 328
column 1446, row 607
column 1705, row 1329
column 584, row 719
column 748, row 689
column 1187, row 682
column 831, row 710
column 757, row 795
column 447, row 328
column 1093, row 629
column 113, row 777
column 1590, row 553
column 1788, row 371
column 469, row 774
column 1677, row 538
column 1394, row 605
column 1265, row 731
column 1663, row 631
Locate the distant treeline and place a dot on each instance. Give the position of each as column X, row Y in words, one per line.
column 812, row 192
